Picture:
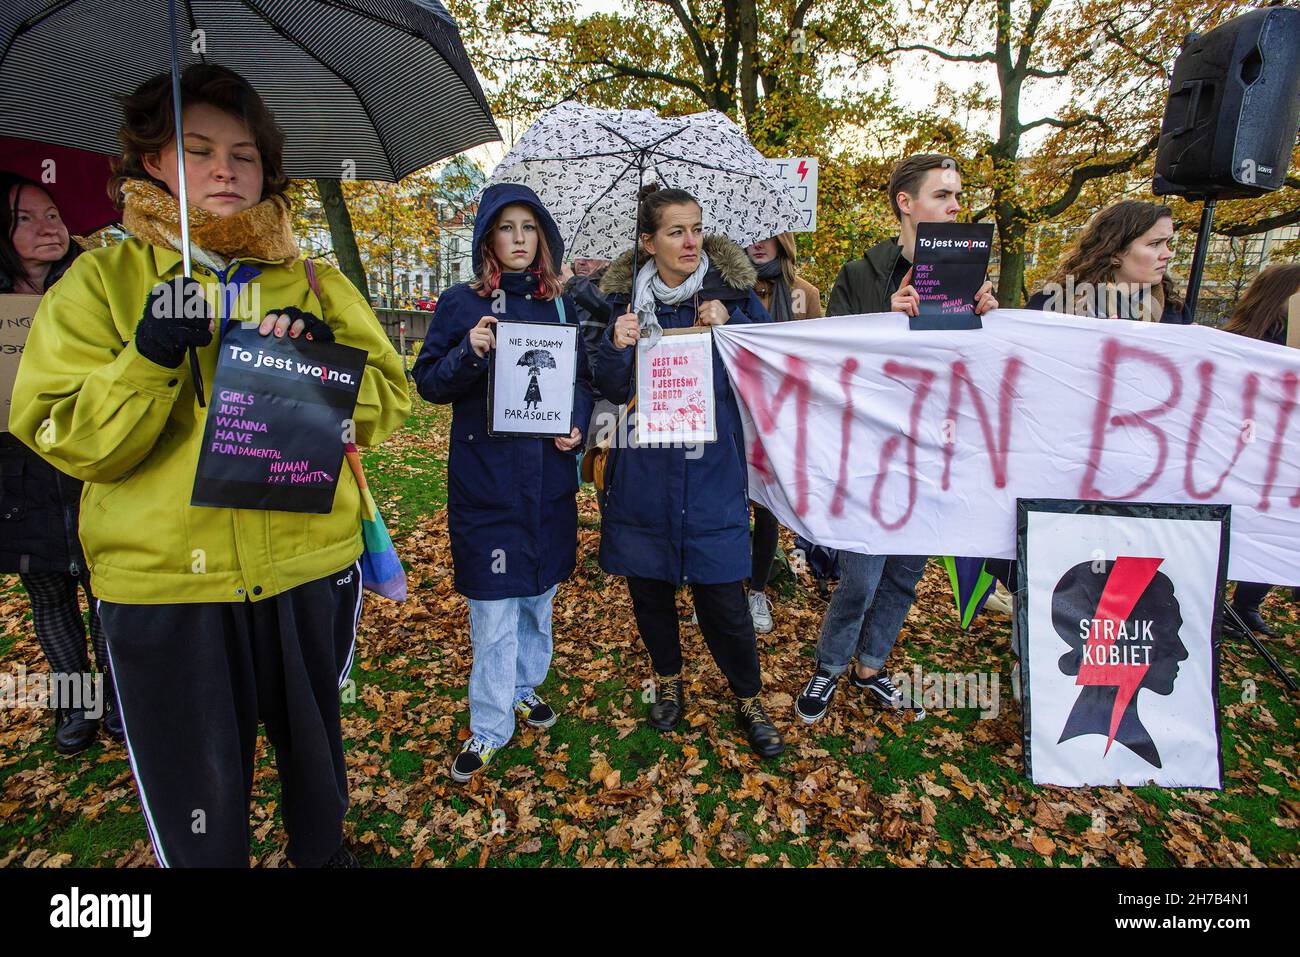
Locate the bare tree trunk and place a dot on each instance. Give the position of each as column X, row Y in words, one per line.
column 345, row 240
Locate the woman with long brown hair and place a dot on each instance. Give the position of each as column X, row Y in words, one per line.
column 1118, row 268
column 1261, row 313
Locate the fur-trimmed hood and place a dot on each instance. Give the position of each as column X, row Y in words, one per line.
column 729, row 266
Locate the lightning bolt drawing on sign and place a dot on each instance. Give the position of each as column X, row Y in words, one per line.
column 803, row 169
column 1129, row 578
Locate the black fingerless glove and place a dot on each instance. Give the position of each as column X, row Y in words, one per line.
column 175, row 318
column 317, row 330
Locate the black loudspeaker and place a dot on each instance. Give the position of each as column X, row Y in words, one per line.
column 1234, row 105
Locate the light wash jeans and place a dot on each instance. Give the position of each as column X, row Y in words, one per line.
column 511, row 639
column 867, row 609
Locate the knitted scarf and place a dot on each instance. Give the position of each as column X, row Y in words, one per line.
column 782, row 309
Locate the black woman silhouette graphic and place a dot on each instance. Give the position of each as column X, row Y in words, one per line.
column 1121, row 620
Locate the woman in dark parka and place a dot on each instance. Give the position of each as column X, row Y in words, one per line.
column 511, row 506
column 39, row 505
column 674, row 516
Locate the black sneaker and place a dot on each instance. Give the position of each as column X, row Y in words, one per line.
column 533, row 711
column 815, row 699
column 343, row 857
column 670, row 703
column 763, row 736
column 882, row 691
column 73, row 731
column 473, row 758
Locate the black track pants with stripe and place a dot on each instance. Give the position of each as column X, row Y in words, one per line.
column 193, row 680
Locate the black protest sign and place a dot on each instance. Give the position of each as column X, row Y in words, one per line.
column 951, row 260
column 279, row 415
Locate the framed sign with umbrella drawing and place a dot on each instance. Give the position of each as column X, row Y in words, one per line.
column 531, row 379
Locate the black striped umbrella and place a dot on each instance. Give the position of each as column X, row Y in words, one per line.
column 365, row 89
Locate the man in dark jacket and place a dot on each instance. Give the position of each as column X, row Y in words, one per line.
column 875, row 592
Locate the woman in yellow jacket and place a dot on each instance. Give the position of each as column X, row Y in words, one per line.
column 216, row 618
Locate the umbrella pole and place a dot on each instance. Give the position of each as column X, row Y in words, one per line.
column 636, row 215
column 183, row 199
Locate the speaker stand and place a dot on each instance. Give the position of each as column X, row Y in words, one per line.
column 1259, row 646
column 1198, row 256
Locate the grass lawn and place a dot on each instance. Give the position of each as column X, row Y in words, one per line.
column 600, row 788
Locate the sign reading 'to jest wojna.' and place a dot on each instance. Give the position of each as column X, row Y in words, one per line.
column 279, row 414
column 951, row 262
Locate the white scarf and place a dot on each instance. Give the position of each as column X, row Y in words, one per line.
column 648, row 288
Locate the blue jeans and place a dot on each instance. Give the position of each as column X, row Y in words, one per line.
column 511, row 639
column 867, row 609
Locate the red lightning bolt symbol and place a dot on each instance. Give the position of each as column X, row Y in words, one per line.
column 1129, row 578
column 803, row 169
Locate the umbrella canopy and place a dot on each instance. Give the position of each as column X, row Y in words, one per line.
column 971, row 586
column 365, row 89
column 536, row 360
column 76, row 180
column 587, row 164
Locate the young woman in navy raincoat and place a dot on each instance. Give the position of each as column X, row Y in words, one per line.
column 511, row 502
column 674, row 516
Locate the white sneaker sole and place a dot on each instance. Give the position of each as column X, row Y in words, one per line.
column 813, row 720
column 540, row 724
column 462, row 778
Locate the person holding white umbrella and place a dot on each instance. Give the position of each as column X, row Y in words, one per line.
column 216, row 618
column 671, row 516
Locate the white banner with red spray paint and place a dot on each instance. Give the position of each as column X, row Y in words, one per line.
column 865, row 435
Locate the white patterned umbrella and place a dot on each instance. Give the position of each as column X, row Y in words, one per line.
column 587, row 164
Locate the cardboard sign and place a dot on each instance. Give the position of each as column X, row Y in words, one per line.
column 531, row 379
column 951, row 260
column 674, row 388
column 1121, row 606
column 279, row 415
column 16, row 314
column 800, row 176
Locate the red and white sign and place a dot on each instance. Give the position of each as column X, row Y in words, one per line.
column 674, row 389
column 1118, row 665
column 800, row 176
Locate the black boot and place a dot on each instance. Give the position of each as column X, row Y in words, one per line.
column 1255, row 621
column 763, row 736
column 670, row 702
column 113, row 722
column 343, row 857
column 73, row 731
column 112, row 713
